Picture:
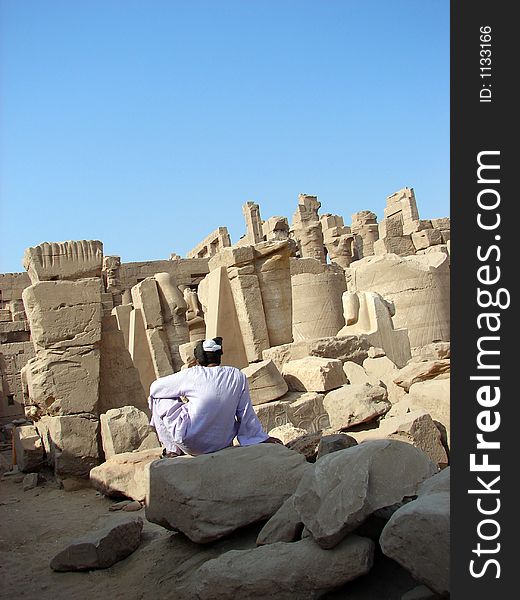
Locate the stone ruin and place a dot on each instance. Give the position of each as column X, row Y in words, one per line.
column 342, row 331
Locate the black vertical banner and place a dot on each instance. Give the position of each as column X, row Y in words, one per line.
column 485, row 359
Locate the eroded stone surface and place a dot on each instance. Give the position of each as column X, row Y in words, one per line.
column 347, row 486
column 300, row 570
column 417, row 536
column 100, row 549
column 191, row 494
column 354, row 404
column 125, row 474
column 266, row 383
column 314, row 374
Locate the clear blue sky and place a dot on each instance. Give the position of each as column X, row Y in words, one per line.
column 147, row 124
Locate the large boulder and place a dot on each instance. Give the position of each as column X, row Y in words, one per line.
column 28, row 448
column 296, row 571
column 125, row 474
column 303, row 410
column 352, row 405
column 71, row 443
column 314, row 374
column 126, row 429
column 209, row 496
column 64, row 314
column 100, row 549
column 417, row 536
column 265, row 382
column 347, row 486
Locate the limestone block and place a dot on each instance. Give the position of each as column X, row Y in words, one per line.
column 426, row 238
column 352, row 347
column 303, row 410
column 422, row 371
column 64, row 314
column 419, row 288
column 442, row 223
column 306, row 411
column 317, row 307
column 273, row 414
column 272, row 268
column 100, row 549
column 416, row 428
column 384, row 369
column 434, row 397
column 300, row 570
column 334, row 442
column 249, row 308
column 125, row 474
column 265, row 382
column 413, row 226
column 28, row 448
column 64, row 381
column 125, row 430
column 402, row 246
column 284, row 526
column 140, row 351
column 145, row 296
column 352, row 405
column 122, row 314
column 347, row 486
column 287, row 433
column 370, row 314
column 356, row 374
column 314, row 374
column 433, row 351
column 64, row 260
column 417, row 536
column 186, row 493
column 119, row 381
column 221, row 316
column 71, row 443
column 420, row 592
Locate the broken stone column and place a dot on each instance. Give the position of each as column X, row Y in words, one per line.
column 120, row 384
column 338, row 240
column 371, row 314
column 316, row 298
column 248, row 289
column 419, row 288
column 307, row 228
column 221, row 316
column 64, row 309
column 145, row 296
column 276, row 229
column 253, row 223
column 400, row 221
column 365, row 230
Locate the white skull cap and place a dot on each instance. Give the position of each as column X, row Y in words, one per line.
column 211, row 346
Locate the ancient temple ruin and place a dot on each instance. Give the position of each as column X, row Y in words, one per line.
column 342, row 330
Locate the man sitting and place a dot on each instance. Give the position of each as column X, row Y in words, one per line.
column 203, row 408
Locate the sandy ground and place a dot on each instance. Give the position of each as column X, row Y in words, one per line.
column 36, row 524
